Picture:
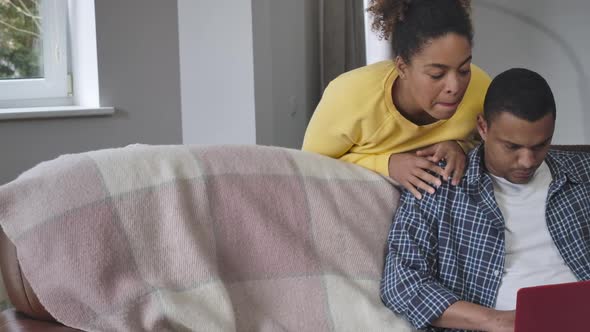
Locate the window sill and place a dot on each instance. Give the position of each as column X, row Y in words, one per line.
column 54, row 112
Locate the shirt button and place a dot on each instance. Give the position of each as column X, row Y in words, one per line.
column 496, row 273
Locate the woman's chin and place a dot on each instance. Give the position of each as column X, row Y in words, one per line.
column 443, row 113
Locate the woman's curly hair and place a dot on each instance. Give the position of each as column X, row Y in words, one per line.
column 398, row 20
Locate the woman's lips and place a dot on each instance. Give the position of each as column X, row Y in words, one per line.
column 449, row 104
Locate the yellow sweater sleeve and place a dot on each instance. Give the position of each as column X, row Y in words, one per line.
column 334, row 129
column 470, row 142
column 377, row 162
column 327, row 133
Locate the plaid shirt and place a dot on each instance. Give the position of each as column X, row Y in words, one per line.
column 449, row 246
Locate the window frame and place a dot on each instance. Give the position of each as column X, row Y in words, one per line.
column 53, row 88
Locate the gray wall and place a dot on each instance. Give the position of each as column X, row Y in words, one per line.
column 286, row 69
column 195, row 73
column 138, row 67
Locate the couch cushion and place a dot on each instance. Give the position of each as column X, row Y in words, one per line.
column 203, row 238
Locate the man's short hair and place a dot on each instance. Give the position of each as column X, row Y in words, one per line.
column 520, row 92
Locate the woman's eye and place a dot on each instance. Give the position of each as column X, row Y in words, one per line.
column 437, row 77
column 464, row 72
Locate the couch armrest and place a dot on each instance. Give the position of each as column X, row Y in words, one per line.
column 13, row 321
column 17, row 287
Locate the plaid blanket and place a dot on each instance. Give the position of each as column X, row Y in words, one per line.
column 217, row 238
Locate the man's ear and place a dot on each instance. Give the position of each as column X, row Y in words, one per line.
column 401, row 66
column 482, row 127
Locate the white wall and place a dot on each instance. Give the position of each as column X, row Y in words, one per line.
column 550, row 37
column 217, row 72
column 376, row 49
column 137, row 43
column 547, row 36
column 249, row 70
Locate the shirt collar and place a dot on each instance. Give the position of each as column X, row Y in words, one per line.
column 563, row 166
column 555, row 159
column 475, row 166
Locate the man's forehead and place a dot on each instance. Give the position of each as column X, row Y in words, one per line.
column 511, row 129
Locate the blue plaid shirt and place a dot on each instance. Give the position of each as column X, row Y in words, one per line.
column 449, row 246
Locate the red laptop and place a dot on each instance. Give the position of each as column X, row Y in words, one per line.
column 554, row 308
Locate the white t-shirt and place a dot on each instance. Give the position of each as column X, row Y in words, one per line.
column 532, row 258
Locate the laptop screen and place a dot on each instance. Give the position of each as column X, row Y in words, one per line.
column 553, row 308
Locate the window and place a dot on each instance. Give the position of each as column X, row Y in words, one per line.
column 33, row 52
column 48, row 60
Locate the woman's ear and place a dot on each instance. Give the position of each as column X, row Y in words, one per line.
column 401, row 66
column 482, row 126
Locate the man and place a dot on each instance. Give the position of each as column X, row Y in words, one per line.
column 520, row 217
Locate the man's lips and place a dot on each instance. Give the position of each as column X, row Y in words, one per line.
column 523, row 174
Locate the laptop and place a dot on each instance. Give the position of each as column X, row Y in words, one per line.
column 553, row 308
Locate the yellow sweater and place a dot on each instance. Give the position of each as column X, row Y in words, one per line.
column 356, row 120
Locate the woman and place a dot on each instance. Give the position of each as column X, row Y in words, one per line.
column 403, row 116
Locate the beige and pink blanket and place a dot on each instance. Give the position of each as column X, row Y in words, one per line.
column 193, row 238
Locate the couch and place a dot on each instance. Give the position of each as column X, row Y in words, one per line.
column 196, row 238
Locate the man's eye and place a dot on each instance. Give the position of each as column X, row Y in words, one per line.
column 540, row 147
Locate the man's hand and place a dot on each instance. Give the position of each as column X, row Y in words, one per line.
column 410, row 171
column 502, row 321
column 471, row 316
column 452, row 153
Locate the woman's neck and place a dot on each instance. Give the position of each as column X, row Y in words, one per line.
column 406, row 104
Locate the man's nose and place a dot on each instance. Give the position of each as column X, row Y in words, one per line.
column 527, row 158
